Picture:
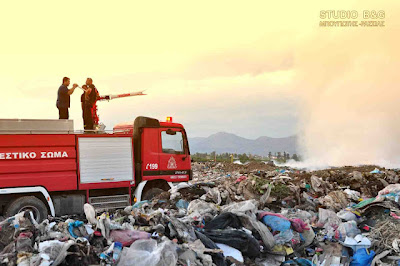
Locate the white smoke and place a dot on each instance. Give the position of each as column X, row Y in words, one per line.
column 348, row 81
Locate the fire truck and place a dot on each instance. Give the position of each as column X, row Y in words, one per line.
column 48, row 168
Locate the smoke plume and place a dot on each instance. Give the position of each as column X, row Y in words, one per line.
column 348, row 82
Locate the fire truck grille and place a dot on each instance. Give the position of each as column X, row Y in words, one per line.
column 105, row 203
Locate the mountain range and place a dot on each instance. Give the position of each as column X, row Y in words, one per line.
column 226, row 142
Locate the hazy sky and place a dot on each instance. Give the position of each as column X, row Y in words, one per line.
column 214, row 66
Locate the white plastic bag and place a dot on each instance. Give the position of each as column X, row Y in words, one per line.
column 241, row 207
column 149, row 253
column 90, row 213
column 231, row 252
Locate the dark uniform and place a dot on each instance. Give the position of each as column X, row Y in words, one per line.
column 83, row 104
column 63, row 102
column 87, row 106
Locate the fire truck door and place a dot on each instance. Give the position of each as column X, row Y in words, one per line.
column 174, row 154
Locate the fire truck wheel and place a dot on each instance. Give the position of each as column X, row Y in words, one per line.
column 151, row 193
column 27, row 203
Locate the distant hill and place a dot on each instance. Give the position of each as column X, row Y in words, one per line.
column 226, row 142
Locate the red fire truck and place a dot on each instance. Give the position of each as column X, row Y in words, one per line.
column 48, row 168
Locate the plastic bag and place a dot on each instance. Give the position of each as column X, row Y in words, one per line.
column 182, row 204
column 174, row 191
column 127, row 237
column 218, row 258
column 149, row 253
column 349, row 229
column 376, row 171
column 104, row 225
column 90, row 213
column 63, row 252
column 238, row 239
column 299, row 225
column 231, row 252
column 317, row 184
column 212, row 194
column 241, row 207
column 364, row 203
column 281, row 225
column 276, row 223
column 77, row 229
column 223, row 221
column 52, row 248
column 140, row 204
column 284, row 237
column 392, row 188
column 252, row 223
column 201, row 207
column 308, row 236
column 347, row 215
column 180, row 229
column 352, row 194
column 328, row 218
column 362, row 257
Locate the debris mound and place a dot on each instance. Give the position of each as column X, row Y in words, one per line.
column 229, row 214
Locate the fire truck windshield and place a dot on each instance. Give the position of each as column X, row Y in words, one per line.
column 172, row 143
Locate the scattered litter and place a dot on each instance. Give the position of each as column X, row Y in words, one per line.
column 228, row 214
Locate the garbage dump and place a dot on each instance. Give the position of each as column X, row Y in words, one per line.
column 229, row 214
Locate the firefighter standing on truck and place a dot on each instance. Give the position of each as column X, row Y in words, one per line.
column 63, row 98
column 88, row 99
column 86, row 109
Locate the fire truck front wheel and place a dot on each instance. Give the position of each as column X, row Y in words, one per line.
column 27, row 203
column 151, row 193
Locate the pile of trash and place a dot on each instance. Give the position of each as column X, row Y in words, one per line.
column 248, row 216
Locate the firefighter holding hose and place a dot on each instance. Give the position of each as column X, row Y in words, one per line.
column 88, row 99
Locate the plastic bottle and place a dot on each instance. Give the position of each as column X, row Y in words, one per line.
column 117, row 251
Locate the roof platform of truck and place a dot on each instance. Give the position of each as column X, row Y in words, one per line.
column 40, row 126
column 65, row 126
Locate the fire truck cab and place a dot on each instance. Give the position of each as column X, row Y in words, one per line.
column 48, row 168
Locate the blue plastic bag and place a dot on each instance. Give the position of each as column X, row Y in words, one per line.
column 276, row 223
column 299, row 261
column 362, row 257
column 279, row 224
column 71, row 228
column 182, row 204
column 375, row 171
column 139, row 204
